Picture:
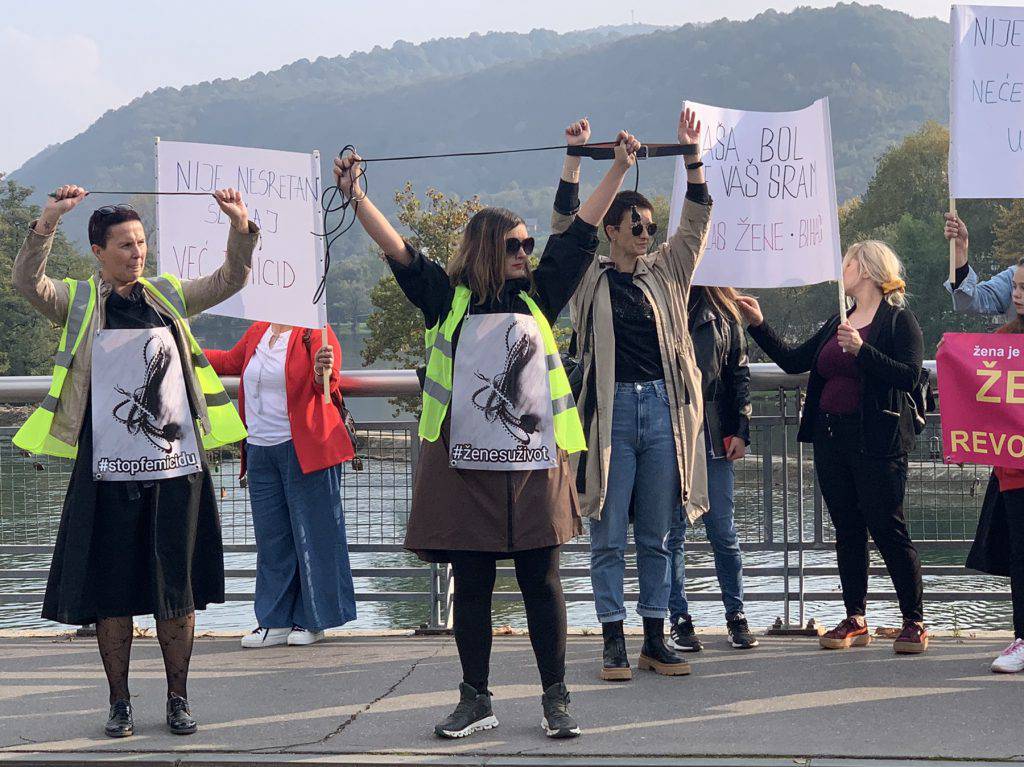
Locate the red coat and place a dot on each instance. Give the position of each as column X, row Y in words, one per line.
column 318, row 433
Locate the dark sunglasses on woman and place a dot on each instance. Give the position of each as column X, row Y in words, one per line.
column 513, row 244
column 638, row 229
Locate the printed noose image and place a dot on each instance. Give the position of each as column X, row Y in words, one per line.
column 502, row 395
column 145, row 405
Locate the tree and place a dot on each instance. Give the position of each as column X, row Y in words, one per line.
column 27, row 339
column 396, row 326
column 349, row 287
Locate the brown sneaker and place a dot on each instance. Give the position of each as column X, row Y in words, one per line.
column 912, row 640
column 849, row 633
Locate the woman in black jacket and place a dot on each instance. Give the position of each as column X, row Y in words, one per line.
column 860, row 418
column 720, row 348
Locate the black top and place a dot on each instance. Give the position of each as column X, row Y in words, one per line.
column 637, row 352
column 889, row 364
column 131, row 312
column 720, row 348
column 561, row 267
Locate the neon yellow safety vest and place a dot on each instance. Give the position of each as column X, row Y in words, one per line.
column 34, row 436
column 437, row 386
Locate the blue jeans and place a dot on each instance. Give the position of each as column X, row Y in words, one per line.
column 720, row 524
column 303, row 577
column 643, row 468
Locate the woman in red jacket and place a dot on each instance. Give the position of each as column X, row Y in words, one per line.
column 293, row 458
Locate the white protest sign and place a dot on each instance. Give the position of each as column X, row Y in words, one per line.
column 775, row 221
column 282, row 193
column 986, row 102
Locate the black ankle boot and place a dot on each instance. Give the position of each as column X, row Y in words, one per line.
column 655, row 655
column 616, row 661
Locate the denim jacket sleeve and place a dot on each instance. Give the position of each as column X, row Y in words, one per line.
column 992, row 296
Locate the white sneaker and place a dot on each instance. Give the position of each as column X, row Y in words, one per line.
column 300, row 636
column 262, row 637
column 1011, row 660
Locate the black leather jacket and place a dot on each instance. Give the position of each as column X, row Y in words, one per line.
column 720, row 347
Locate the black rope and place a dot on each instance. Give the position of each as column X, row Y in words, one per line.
column 149, row 193
column 328, row 200
column 329, row 204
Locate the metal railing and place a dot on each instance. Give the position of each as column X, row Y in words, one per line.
column 778, row 505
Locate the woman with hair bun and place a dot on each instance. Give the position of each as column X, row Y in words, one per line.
column 860, row 418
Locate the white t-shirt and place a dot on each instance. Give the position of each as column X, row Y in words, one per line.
column 266, row 398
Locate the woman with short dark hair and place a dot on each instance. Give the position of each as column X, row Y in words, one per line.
column 134, row 400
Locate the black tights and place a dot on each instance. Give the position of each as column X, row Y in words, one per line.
column 1014, row 504
column 537, row 572
column 114, row 636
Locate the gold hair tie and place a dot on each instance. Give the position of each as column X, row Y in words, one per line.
column 894, row 285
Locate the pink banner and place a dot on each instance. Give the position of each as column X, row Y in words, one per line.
column 981, row 398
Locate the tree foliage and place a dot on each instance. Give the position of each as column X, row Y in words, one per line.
column 27, row 339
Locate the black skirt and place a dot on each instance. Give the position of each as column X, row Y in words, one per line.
column 128, row 548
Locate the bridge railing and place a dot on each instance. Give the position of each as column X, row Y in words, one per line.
column 778, row 508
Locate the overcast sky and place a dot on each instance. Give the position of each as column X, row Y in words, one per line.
column 65, row 63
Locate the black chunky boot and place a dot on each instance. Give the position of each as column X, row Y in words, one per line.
column 616, row 661
column 655, row 655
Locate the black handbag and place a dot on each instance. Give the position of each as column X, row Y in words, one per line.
column 990, row 552
column 922, row 397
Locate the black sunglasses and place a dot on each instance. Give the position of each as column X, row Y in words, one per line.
column 638, row 229
column 513, row 244
column 109, row 210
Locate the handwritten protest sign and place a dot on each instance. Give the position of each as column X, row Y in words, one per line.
column 986, row 102
column 775, row 221
column 282, row 193
column 981, row 397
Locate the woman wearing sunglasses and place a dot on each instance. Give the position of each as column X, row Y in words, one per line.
column 493, row 481
column 640, row 402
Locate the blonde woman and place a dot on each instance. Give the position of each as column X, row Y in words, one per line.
column 859, row 417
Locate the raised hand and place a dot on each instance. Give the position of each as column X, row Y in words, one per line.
column 230, row 202
column 578, row 133
column 956, row 229
column 61, row 201
column 347, row 171
column 626, row 147
column 688, row 131
column 750, row 309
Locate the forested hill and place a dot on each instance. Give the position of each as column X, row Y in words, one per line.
column 885, row 74
column 117, row 149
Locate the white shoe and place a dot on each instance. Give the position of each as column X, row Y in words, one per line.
column 1011, row 660
column 300, row 636
column 262, row 637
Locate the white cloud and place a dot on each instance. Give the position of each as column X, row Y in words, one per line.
column 53, row 89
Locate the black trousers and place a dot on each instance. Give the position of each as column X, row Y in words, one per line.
column 537, row 572
column 1014, row 503
column 864, row 495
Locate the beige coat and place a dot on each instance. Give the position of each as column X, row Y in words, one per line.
column 50, row 297
column 664, row 277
